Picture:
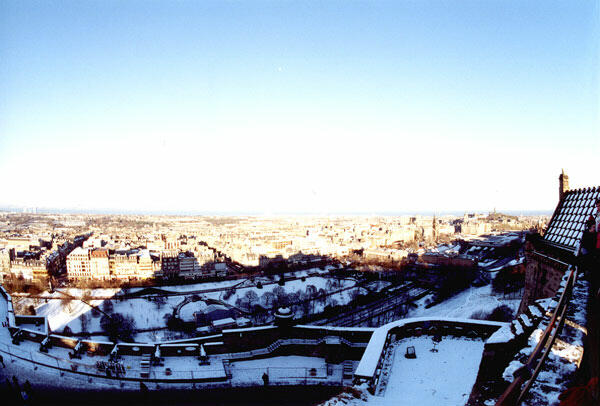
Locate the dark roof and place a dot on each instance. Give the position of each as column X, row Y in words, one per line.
column 568, row 223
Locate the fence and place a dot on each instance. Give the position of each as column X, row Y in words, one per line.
column 220, row 372
column 330, row 375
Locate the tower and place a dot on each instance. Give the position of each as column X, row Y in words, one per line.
column 563, row 184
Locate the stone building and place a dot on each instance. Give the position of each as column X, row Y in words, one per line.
column 78, row 264
column 171, row 242
column 571, row 236
column 124, row 265
column 104, row 264
column 99, row 264
column 189, row 267
column 146, row 265
column 170, row 264
column 4, row 263
column 33, row 270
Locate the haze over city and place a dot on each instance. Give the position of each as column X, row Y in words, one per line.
column 296, row 107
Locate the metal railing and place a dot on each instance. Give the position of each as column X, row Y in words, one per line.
column 230, row 374
column 516, row 392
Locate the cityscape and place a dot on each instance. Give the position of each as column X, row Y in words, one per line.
column 135, row 304
column 304, row 203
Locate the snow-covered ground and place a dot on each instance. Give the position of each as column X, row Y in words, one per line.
column 318, row 282
column 442, row 378
column 56, row 370
column 148, row 314
column 202, row 286
column 501, row 264
column 293, row 369
column 437, row 378
column 464, row 304
column 195, row 286
column 445, row 377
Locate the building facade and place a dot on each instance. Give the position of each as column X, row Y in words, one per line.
column 78, row 264
column 572, row 236
column 99, row 264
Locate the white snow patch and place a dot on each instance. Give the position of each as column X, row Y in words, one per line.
column 518, row 328
column 525, row 320
column 464, row 304
column 502, row 335
column 432, row 378
column 535, row 311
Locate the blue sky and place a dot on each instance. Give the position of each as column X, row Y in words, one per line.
column 308, row 106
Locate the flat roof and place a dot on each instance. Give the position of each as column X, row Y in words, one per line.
column 370, row 359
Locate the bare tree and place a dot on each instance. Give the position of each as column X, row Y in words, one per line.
column 249, row 299
column 107, row 306
column 321, row 296
column 354, row 293
column 118, row 326
column 267, row 299
column 331, row 301
column 66, row 303
column 311, row 293
column 86, row 296
column 84, row 319
column 159, row 301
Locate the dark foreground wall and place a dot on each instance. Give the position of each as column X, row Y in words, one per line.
column 254, row 396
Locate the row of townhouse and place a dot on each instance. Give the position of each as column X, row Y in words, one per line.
column 139, row 264
column 33, row 266
column 102, row 264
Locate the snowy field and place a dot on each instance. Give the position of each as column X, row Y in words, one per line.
column 195, row 286
column 465, row 304
column 149, row 314
column 145, row 313
column 437, row 378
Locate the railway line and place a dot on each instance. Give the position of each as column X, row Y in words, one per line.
column 382, row 311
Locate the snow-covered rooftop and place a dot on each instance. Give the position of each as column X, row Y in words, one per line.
column 443, row 377
column 370, row 359
column 568, row 224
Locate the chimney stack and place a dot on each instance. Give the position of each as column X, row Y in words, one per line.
column 563, row 185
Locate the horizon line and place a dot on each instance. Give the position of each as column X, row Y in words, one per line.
column 254, row 213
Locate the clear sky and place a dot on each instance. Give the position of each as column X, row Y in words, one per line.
column 297, row 106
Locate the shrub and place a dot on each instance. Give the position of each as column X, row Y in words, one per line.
column 501, row 313
column 508, row 280
column 107, row 306
column 174, row 323
column 228, row 293
column 353, row 391
column 118, row 326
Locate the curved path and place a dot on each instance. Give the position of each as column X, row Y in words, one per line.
column 208, row 301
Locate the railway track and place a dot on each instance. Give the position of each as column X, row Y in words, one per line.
column 383, row 310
